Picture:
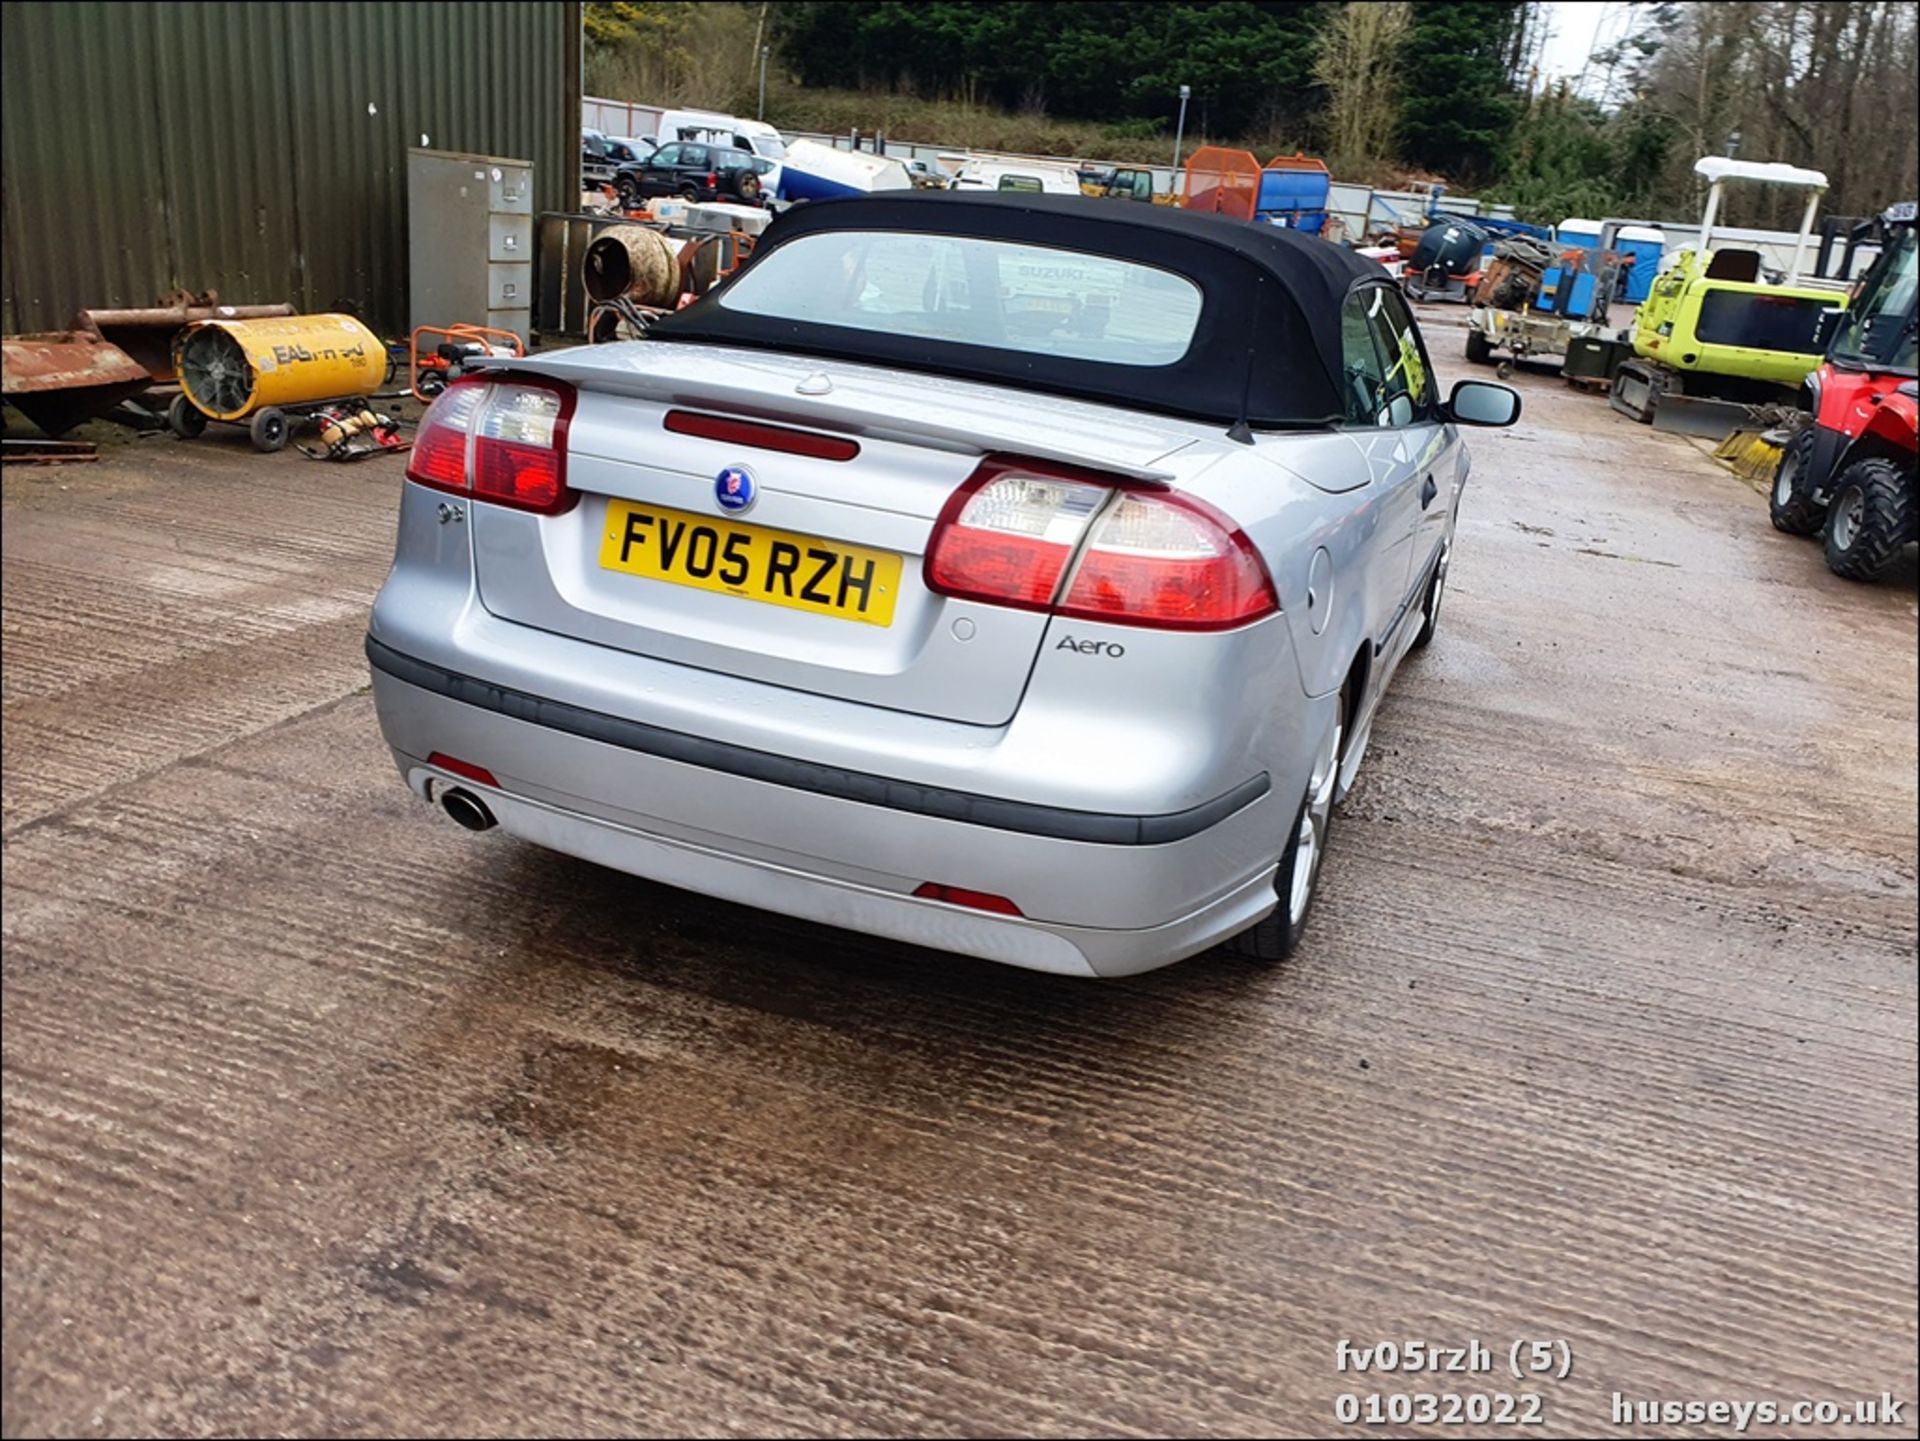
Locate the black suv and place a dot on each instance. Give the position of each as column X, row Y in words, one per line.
column 692, row 170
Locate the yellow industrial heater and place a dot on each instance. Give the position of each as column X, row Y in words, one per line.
column 258, row 370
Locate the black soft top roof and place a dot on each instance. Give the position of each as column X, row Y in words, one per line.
column 1266, row 348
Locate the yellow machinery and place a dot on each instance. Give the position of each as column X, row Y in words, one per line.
column 1128, row 183
column 258, row 370
column 1698, row 312
column 1713, row 336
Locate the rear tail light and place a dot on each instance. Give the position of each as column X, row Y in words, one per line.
column 1168, row 560
column 1007, row 535
column 503, row 441
column 439, row 454
column 1048, row 538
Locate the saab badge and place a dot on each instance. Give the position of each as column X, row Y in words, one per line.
column 734, row 489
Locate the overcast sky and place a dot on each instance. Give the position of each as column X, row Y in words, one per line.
column 1575, row 25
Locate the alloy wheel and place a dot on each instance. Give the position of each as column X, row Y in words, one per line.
column 1310, row 844
column 1845, row 520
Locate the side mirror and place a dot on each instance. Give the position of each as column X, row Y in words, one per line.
column 1480, row 402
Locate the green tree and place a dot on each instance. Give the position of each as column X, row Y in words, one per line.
column 1562, row 163
column 1249, row 62
column 1358, row 63
column 671, row 52
column 1461, row 94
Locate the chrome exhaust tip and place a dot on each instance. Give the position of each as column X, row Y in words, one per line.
column 467, row 810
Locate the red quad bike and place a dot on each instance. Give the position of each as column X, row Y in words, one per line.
column 1852, row 469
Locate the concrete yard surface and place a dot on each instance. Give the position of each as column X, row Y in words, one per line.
column 324, row 1116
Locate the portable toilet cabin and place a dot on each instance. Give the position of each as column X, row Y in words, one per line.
column 1293, row 193
column 1582, row 233
column 1645, row 244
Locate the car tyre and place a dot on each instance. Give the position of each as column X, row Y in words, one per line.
column 690, row 194
column 627, row 191
column 1297, row 878
column 1791, row 504
column 185, row 419
column 1871, row 517
column 1479, row 348
column 269, row 429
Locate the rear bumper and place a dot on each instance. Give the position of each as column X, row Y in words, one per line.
column 1102, row 895
column 1023, row 817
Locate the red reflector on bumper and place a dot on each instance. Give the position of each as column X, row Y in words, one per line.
column 973, row 900
column 480, row 775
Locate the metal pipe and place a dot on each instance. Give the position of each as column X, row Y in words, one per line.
column 1713, row 212
column 177, row 315
column 1806, row 229
column 1180, row 130
column 467, row 810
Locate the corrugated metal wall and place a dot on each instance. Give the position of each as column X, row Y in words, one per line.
column 259, row 149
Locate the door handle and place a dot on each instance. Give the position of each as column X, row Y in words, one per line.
column 1427, row 492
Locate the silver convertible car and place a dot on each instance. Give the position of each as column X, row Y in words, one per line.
column 1013, row 575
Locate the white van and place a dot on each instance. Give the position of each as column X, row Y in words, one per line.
column 764, row 139
column 711, row 128
column 1037, row 176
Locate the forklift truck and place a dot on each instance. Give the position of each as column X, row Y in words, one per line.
column 1848, row 467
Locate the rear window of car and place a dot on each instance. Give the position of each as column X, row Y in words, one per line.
column 966, row 290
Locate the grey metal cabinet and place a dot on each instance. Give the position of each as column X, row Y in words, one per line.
column 470, row 240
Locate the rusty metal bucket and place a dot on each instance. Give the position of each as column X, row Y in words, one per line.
column 57, row 379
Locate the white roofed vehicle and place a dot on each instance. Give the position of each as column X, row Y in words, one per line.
column 1030, row 177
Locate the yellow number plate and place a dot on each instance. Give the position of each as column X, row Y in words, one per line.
column 802, row 572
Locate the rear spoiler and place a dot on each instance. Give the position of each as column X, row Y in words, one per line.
column 843, row 413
